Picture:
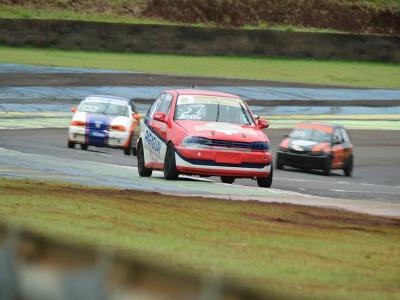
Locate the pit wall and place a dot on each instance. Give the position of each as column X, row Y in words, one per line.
column 97, row 36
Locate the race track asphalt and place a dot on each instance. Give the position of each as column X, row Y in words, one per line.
column 376, row 176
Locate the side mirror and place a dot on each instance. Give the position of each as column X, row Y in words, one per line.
column 160, row 116
column 137, row 117
column 335, row 141
column 256, row 117
column 261, row 123
column 73, row 109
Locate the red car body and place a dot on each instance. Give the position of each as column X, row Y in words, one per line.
column 205, row 133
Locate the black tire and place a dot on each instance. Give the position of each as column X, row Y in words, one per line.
column 279, row 164
column 266, row 182
column 143, row 171
column 133, row 147
column 128, row 150
column 71, row 145
column 228, row 179
column 328, row 166
column 170, row 172
column 84, row 146
column 348, row 169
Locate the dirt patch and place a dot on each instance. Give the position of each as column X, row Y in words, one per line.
column 343, row 15
column 349, row 16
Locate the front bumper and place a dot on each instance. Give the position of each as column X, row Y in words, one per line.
column 299, row 160
column 223, row 163
column 114, row 139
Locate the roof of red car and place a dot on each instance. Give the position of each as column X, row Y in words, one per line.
column 202, row 92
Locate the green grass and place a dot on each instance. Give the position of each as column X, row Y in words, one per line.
column 309, row 252
column 342, row 73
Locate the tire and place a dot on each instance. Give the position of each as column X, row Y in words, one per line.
column 170, row 172
column 348, row 169
column 143, row 171
column 84, row 146
column 133, row 147
column 128, row 150
column 279, row 165
column 266, row 182
column 228, row 179
column 71, row 145
column 328, row 166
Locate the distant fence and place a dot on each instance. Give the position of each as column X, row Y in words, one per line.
column 33, row 267
column 196, row 41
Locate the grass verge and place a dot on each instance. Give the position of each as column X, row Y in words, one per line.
column 309, row 252
column 324, row 72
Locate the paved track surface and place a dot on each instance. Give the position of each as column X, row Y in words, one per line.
column 376, row 176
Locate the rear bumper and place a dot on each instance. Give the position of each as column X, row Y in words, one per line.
column 251, row 165
column 80, row 135
column 308, row 161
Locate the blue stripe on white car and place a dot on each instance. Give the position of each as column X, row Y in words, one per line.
column 97, row 128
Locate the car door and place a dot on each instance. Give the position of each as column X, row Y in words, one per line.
column 337, row 149
column 152, row 143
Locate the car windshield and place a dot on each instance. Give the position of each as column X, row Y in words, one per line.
column 212, row 108
column 105, row 108
column 310, row 135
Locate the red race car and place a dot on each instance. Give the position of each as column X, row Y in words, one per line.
column 319, row 146
column 204, row 133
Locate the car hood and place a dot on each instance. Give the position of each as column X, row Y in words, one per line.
column 223, row 131
column 306, row 145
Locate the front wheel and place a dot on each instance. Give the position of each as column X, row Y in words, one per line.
column 71, row 145
column 170, row 172
column 328, row 166
column 228, row 179
column 84, row 146
column 143, row 171
column 348, row 169
column 128, row 150
column 266, row 182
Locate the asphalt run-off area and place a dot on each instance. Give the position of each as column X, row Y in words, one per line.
column 35, row 105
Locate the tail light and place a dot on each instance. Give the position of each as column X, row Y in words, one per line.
column 78, row 123
column 118, row 128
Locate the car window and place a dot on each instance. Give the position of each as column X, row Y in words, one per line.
column 212, row 108
column 105, row 108
column 165, row 104
column 337, row 136
column 155, row 106
column 346, row 137
column 310, row 135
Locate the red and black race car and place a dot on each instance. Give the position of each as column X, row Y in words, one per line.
column 319, row 146
column 205, row 133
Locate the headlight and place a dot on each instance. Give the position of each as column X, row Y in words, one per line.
column 196, row 142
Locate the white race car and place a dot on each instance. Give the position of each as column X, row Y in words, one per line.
column 104, row 121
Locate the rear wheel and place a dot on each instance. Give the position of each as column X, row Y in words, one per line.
column 71, row 144
column 328, row 166
column 266, row 181
column 170, row 172
column 143, row 171
column 84, row 146
column 348, row 169
column 228, row 179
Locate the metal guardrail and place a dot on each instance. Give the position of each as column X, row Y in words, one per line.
column 34, row 267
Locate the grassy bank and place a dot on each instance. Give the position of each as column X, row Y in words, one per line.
column 342, row 73
column 310, row 252
column 363, row 16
